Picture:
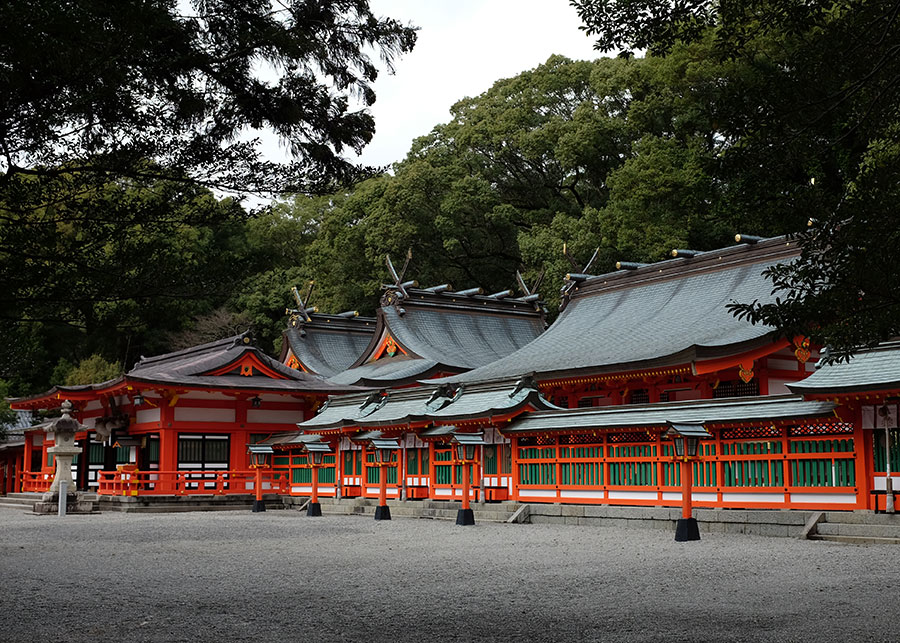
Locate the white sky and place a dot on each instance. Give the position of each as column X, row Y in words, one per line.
column 464, row 46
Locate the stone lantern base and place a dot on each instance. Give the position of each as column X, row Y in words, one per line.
column 76, row 503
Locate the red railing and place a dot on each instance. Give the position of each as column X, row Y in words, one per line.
column 765, row 467
column 188, row 483
column 38, row 481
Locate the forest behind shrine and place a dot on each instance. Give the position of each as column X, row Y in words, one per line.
column 750, row 117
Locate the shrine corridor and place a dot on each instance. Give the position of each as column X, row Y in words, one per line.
column 282, row 576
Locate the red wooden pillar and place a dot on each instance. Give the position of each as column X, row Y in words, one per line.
column 431, row 469
column 687, row 475
column 29, row 448
column 17, row 482
column 720, row 467
column 514, row 466
column 338, row 470
column 238, row 458
column 168, row 446
column 382, row 485
column 864, row 465
column 659, row 465
column 465, row 483
column 314, row 497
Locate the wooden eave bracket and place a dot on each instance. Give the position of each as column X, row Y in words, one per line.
column 713, row 365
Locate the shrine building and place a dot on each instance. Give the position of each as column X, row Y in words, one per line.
column 175, row 418
column 575, row 413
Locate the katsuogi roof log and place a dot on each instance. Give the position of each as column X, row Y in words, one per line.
column 674, row 312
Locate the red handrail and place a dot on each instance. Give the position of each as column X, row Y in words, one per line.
column 132, row 482
column 38, row 481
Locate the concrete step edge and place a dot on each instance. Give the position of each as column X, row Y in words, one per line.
column 858, row 529
column 856, row 540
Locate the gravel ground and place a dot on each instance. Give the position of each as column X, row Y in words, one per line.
column 280, row 576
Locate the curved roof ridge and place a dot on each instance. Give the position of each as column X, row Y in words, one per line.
column 184, row 352
column 666, row 314
column 682, row 266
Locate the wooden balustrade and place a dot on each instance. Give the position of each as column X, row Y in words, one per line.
column 788, row 468
column 37, row 481
column 187, row 483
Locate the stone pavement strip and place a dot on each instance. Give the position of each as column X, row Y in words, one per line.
column 280, row 576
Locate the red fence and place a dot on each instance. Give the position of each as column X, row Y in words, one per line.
column 188, row 483
column 37, row 481
column 774, row 467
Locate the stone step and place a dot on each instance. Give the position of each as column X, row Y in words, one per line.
column 857, row 529
column 862, row 517
column 426, row 509
column 856, row 540
column 16, row 506
column 400, row 511
column 17, row 501
column 175, row 508
column 173, row 504
column 28, row 495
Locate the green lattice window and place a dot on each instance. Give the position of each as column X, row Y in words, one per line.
column 879, row 450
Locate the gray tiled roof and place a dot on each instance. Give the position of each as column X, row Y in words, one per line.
column 449, row 331
column 330, row 344
column 461, row 338
column 668, row 313
column 190, row 367
column 418, row 405
column 385, row 372
column 875, row 369
column 763, row 409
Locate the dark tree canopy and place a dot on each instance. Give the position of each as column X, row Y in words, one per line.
column 116, row 121
column 101, row 86
column 807, row 110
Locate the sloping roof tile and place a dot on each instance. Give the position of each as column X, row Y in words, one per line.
column 876, row 369
column 764, row 409
column 330, row 344
column 668, row 313
column 416, row 405
column 449, row 331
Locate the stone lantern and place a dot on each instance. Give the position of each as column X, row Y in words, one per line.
column 63, row 451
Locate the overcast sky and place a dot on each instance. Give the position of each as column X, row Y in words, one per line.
column 463, row 47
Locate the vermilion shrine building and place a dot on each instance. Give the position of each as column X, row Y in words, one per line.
column 571, row 414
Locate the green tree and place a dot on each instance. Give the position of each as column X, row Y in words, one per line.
column 92, row 370
column 806, row 114
column 115, row 121
column 115, row 273
column 7, row 415
column 97, row 87
column 615, row 153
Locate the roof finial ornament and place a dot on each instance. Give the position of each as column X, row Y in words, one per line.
column 397, row 291
column 531, row 294
column 524, row 382
column 244, row 339
column 302, row 311
column 576, row 276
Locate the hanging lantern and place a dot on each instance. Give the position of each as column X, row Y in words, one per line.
column 384, row 449
column 467, row 445
column 686, row 437
column 316, row 451
column 259, row 455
